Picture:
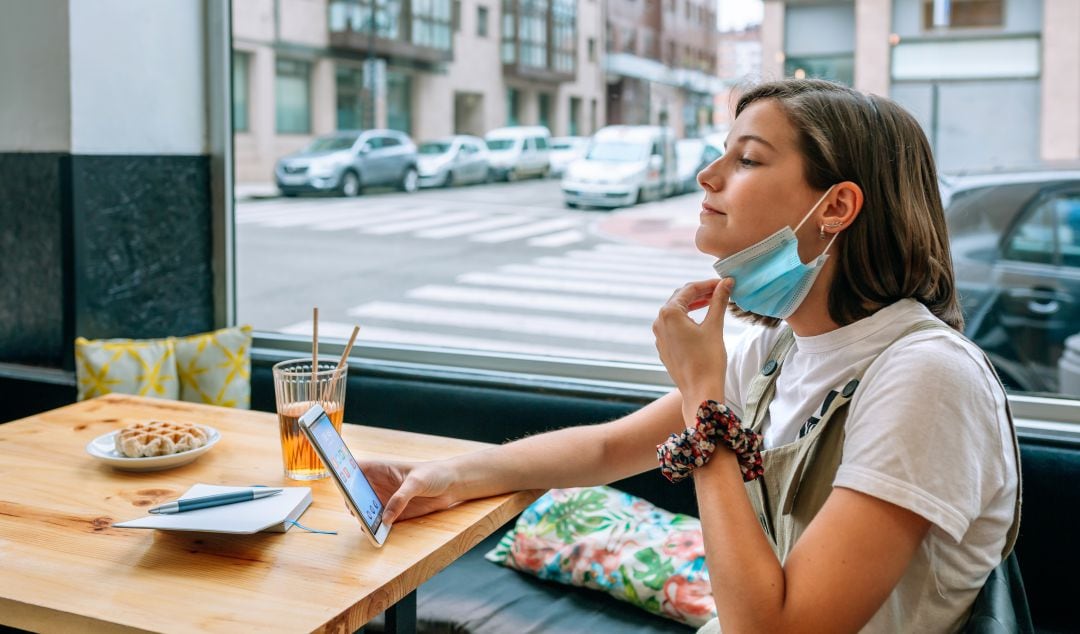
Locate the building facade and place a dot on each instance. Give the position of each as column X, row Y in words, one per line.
column 994, row 83
column 429, row 68
column 661, row 63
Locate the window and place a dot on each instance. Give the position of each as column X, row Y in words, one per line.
column 431, row 23
column 456, row 18
column 399, row 102
column 544, row 106
column 509, row 32
column 513, row 106
column 574, row 124
column 240, row 63
column 292, row 90
column 839, row 68
column 564, row 35
column 953, row 14
column 533, row 38
column 481, row 21
column 592, row 49
column 351, row 97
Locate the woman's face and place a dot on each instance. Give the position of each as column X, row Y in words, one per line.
column 757, row 187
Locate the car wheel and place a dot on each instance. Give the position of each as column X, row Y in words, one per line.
column 289, row 194
column 571, row 205
column 545, row 173
column 511, row 175
column 449, row 180
column 489, row 177
column 410, row 181
column 350, row 184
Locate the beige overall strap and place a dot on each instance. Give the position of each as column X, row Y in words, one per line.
column 763, row 387
column 1014, row 528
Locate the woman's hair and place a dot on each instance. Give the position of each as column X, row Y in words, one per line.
column 898, row 247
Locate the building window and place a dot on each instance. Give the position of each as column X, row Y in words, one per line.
column 509, row 32
column 292, row 97
column 564, row 35
column 455, row 18
column 350, row 97
column 592, row 49
column 545, row 110
column 241, row 64
column 533, row 38
column 481, row 21
column 609, row 39
column 513, row 106
column 431, row 23
column 592, row 116
column 399, row 102
column 840, row 68
column 574, row 127
column 953, row 14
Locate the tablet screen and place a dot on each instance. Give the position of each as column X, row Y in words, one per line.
column 341, row 461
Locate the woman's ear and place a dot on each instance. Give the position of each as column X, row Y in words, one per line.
column 844, row 206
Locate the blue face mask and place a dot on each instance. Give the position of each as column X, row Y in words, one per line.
column 770, row 279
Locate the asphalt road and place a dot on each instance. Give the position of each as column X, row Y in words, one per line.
column 501, row 267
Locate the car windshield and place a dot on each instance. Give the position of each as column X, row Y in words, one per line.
column 500, row 144
column 434, row 147
column 332, row 143
column 620, row 151
column 689, row 151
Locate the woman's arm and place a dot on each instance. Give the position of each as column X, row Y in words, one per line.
column 838, row 575
column 576, row 456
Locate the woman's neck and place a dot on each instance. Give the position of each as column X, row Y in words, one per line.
column 812, row 316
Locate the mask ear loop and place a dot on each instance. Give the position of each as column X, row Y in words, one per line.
column 811, row 212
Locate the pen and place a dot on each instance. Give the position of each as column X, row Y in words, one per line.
column 206, row 501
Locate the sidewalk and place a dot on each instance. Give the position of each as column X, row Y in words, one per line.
column 255, row 191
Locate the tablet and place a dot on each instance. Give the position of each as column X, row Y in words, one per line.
column 356, row 489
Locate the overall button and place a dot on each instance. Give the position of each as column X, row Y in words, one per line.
column 769, row 368
column 849, row 389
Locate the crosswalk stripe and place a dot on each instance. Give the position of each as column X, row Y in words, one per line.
column 307, row 217
column 539, row 283
column 519, row 323
column 473, row 227
column 537, row 301
column 560, row 239
column 368, row 220
column 620, row 276
column 660, row 260
column 616, row 247
column 516, row 233
column 376, row 334
column 434, row 219
column 629, row 268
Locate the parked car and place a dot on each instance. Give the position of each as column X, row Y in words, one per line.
column 348, row 161
column 455, row 160
column 625, row 164
column 566, row 150
column 519, row 151
column 692, row 156
column 1015, row 242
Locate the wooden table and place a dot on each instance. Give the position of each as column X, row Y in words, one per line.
column 63, row 567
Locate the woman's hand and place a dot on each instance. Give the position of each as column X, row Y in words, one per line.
column 411, row 488
column 694, row 354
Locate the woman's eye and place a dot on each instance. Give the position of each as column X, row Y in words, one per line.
column 745, row 162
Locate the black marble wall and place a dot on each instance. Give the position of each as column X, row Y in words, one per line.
column 101, row 246
column 35, row 255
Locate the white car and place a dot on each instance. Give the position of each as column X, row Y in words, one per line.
column 625, row 164
column 565, row 150
column 519, row 151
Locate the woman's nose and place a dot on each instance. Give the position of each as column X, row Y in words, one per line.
column 709, row 177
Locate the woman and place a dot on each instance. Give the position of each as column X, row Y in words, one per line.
column 890, row 484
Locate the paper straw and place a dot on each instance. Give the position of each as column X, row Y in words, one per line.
column 341, row 362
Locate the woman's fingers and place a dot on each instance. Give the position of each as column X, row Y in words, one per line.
column 718, row 303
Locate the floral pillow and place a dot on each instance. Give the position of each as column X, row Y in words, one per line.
column 602, row 538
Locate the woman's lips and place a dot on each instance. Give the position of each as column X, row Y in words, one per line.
column 706, row 209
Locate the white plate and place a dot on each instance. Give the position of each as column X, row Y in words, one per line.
column 104, row 449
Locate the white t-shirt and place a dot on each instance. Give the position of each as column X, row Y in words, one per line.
column 926, row 430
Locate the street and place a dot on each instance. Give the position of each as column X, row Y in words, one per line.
column 503, row 267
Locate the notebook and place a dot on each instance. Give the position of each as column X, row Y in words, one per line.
column 273, row 514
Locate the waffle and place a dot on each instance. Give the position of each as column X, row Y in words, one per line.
column 159, row 438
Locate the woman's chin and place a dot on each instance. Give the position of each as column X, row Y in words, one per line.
column 704, row 244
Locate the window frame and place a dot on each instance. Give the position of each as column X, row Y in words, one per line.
column 1036, row 416
column 309, row 66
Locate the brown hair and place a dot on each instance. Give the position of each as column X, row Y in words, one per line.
column 898, row 247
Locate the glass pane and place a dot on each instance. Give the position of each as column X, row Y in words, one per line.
column 240, row 91
column 291, row 97
column 1034, row 239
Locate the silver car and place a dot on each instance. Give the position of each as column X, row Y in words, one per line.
column 456, row 160
column 348, row 161
column 1015, row 240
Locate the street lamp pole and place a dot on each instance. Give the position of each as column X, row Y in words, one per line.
column 369, row 69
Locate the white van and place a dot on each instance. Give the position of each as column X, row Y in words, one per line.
column 519, row 151
column 625, row 164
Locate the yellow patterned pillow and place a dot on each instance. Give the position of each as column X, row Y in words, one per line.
column 215, row 367
column 144, row 367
